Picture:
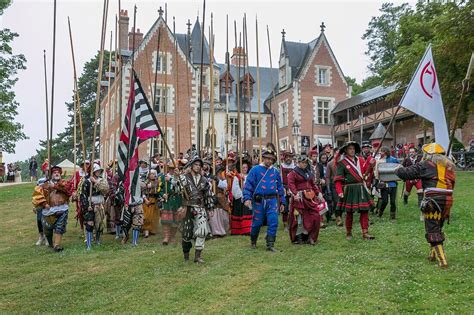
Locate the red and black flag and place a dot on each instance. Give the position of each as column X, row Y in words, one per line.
column 139, row 124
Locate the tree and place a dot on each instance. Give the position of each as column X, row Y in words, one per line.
column 10, row 131
column 367, row 84
column 62, row 146
column 398, row 38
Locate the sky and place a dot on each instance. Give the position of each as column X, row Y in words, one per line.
column 346, row 21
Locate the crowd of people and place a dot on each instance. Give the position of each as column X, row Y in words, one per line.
column 214, row 196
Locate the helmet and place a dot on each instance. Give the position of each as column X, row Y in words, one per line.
column 433, row 148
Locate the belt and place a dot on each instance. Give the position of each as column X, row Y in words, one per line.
column 267, row 196
column 354, row 184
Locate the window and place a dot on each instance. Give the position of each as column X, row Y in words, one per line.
column 323, row 76
column 158, row 146
column 160, row 64
column 255, row 128
column 284, row 144
column 322, row 112
column 283, row 75
column 161, row 100
column 233, row 126
column 283, row 111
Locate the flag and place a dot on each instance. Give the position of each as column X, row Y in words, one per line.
column 423, row 97
column 139, row 124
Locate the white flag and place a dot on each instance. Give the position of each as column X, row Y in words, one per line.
column 423, row 98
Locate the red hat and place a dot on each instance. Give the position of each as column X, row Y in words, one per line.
column 313, row 151
column 56, row 168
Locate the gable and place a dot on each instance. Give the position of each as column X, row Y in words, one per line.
column 320, row 45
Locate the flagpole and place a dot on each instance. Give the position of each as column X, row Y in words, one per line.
column 465, row 87
column 108, row 90
column 158, row 41
column 165, row 101
column 258, row 95
column 48, row 147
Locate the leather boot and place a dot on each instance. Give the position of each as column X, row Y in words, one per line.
column 57, row 242
column 441, row 255
column 88, row 240
column 349, row 236
column 271, row 243
column 339, row 221
column 253, row 241
column 166, row 234
column 186, row 257
column 173, row 231
column 299, row 239
column 432, row 254
column 405, row 199
column 393, row 215
column 197, row 256
column 420, row 199
column 366, row 235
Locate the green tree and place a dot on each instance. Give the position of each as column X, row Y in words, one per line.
column 367, row 84
column 10, row 131
column 62, row 146
column 398, row 38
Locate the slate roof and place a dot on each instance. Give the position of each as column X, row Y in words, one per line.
column 379, row 132
column 297, row 54
column 267, row 76
column 368, row 97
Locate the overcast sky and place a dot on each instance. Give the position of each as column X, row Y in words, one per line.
column 346, row 21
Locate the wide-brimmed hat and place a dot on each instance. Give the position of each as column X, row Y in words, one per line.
column 302, row 158
column 348, row 144
column 56, row 168
column 433, row 148
column 196, row 159
column 84, row 162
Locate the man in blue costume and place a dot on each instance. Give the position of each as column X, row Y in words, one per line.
column 264, row 194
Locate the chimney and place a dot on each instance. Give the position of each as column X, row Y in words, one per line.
column 123, row 29
column 138, row 39
column 238, row 53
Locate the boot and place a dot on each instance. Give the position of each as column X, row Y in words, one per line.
column 186, row 257
column 311, row 242
column 441, row 255
column 41, row 240
column 339, row 221
column 366, row 235
column 97, row 237
column 432, row 255
column 299, row 239
column 57, row 243
column 349, row 236
column 393, row 215
column 405, row 199
column 420, row 199
column 146, row 234
column 166, row 234
column 253, row 241
column 173, row 231
column 88, row 240
column 125, row 236
column 118, row 229
column 197, row 256
column 135, row 234
column 271, row 243
column 49, row 238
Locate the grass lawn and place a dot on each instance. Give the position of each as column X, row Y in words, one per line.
column 388, row 275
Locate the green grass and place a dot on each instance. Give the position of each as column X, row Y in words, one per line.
column 388, row 275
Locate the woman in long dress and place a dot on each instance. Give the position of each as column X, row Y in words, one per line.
column 241, row 218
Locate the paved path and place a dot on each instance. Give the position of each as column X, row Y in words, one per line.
column 12, row 184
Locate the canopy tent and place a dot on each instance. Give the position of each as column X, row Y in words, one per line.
column 68, row 167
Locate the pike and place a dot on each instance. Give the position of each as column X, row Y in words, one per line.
column 176, row 93
column 245, row 61
column 273, row 87
column 258, row 95
column 52, row 90
column 211, row 96
column 227, row 61
column 199, row 148
column 158, row 41
column 97, row 100
column 277, row 146
column 47, row 109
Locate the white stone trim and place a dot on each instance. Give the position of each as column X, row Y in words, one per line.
column 281, row 123
column 296, row 103
column 329, row 75
column 332, row 103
